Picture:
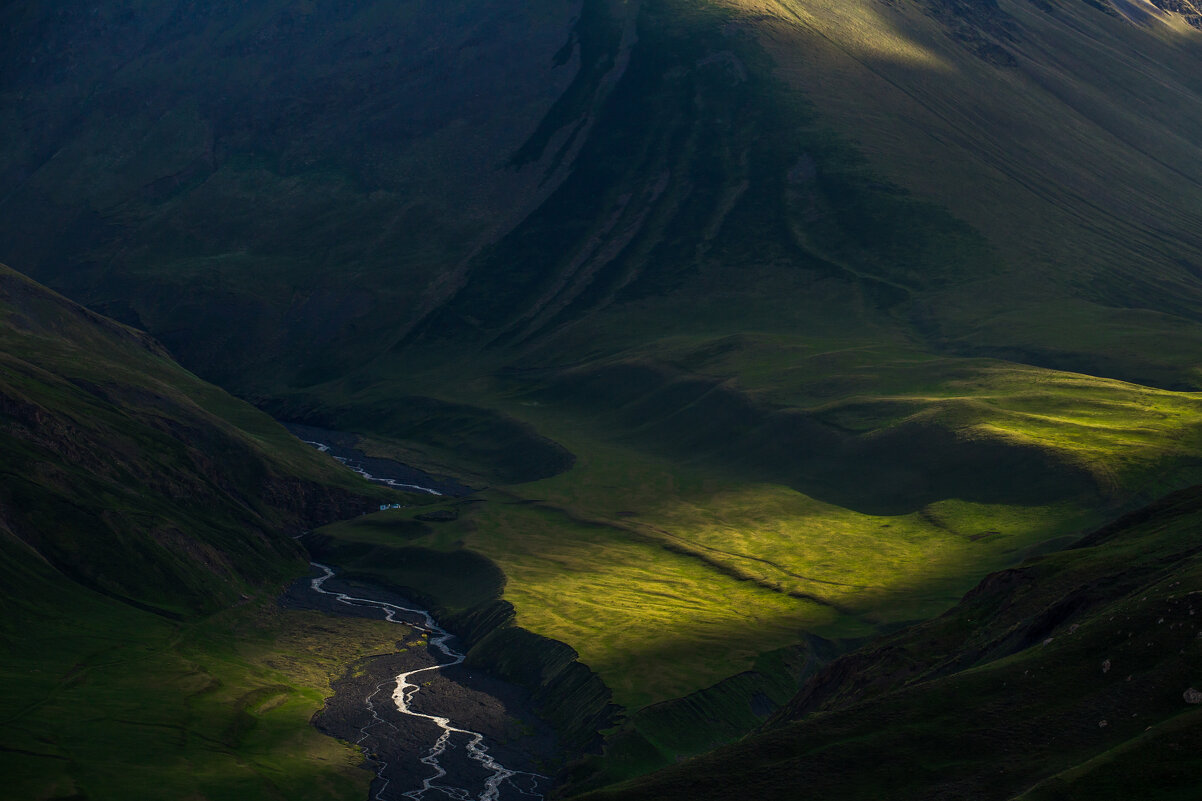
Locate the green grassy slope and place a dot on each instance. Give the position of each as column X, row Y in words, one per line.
column 1066, row 677
column 133, row 477
column 144, row 533
column 104, row 701
column 674, row 556
column 1002, row 179
column 1064, row 133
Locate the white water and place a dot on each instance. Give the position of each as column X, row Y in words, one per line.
column 358, row 468
column 402, row 696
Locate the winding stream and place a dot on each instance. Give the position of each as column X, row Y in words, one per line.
column 345, row 448
column 361, row 470
column 498, row 776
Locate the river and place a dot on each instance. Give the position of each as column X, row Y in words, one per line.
column 344, row 448
column 458, row 761
column 478, row 773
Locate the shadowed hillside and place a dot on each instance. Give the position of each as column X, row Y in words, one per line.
column 130, row 476
column 1071, row 676
column 303, row 166
column 1011, row 179
column 146, row 522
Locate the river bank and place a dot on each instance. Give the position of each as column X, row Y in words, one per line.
column 455, row 732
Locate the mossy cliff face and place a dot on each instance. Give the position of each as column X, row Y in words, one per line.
column 565, row 693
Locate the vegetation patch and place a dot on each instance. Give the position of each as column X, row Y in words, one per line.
column 1070, row 676
column 108, row 702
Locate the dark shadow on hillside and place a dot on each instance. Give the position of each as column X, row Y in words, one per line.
column 897, row 469
column 487, row 445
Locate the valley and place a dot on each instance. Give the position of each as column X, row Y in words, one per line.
column 763, row 373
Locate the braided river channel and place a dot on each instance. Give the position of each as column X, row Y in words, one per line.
column 492, row 781
column 432, row 728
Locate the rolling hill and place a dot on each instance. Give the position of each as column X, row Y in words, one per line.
column 131, row 477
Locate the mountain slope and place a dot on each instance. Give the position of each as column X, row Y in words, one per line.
column 250, row 154
column 145, row 522
column 1009, row 178
column 1065, row 133
column 1074, row 675
column 134, row 478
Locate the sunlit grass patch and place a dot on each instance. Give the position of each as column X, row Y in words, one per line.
column 631, row 535
column 654, row 623
column 1129, row 433
column 657, row 544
